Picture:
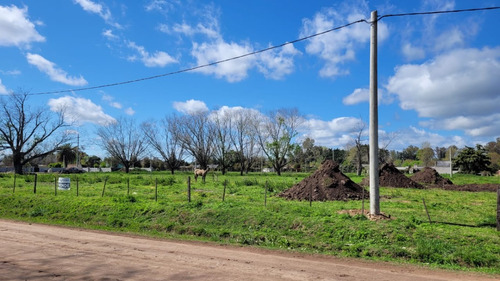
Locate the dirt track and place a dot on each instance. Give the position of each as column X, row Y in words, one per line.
column 41, row 252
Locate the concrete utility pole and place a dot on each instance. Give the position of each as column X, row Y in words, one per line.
column 374, row 176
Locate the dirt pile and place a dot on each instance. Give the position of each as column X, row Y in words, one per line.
column 328, row 183
column 390, row 176
column 430, row 176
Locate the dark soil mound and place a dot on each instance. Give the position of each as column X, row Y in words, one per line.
column 389, row 176
column 327, row 183
column 430, row 176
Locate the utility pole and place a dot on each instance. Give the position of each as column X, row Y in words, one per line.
column 78, row 151
column 374, row 176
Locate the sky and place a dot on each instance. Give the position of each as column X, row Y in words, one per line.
column 438, row 75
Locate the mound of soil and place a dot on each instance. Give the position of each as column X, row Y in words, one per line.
column 430, row 176
column 390, row 176
column 328, row 183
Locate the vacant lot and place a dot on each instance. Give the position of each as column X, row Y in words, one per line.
column 246, row 211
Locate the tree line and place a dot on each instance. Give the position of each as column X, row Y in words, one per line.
column 234, row 139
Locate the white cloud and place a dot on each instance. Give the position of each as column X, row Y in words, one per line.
column 99, row 9
column 232, row 71
column 454, row 87
column 3, row 89
column 129, row 111
column 337, row 132
column 55, row 73
column 190, row 106
column 162, row 5
column 339, row 46
column 363, row 95
column 15, row 27
column 275, row 64
column 108, row 33
column 413, row 53
column 158, row 59
column 80, row 110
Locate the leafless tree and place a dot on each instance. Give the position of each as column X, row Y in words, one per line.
column 161, row 137
column 244, row 137
column 196, row 135
column 29, row 133
column 359, row 147
column 223, row 129
column 124, row 141
column 276, row 136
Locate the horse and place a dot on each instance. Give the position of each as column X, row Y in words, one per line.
column 200, row 172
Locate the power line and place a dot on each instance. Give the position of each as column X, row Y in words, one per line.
column 199, row 66
column 258, row 51
column 438, row 12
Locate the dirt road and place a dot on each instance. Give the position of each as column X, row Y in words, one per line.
column 41, row 252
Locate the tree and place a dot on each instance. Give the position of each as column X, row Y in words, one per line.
column 409, row 153
column 92, row 161
column 29, row 133
column 426, row 154
column 124, row 141
column 276, row 136
column 163, row 140
column 66, row 154
column 472, row 161
column 244, row 137
column 196, row 135
column 223, row 129
column 359, row 148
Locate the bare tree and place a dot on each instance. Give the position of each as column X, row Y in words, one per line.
column 223, row 129
column 196, row 135
column 276, row 136
column 124, row 141
column 244, row 137
column 29, row 133
column 161, row 137
column 359, row 147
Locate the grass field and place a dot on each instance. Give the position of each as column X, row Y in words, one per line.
column 462, row 234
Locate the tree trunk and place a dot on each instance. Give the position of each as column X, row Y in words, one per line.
column 172, row 170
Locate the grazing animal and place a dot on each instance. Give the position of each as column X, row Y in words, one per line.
column 200, row 172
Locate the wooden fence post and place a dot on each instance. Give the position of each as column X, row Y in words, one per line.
column 77, row 187
column 104, row 187
column 224, row 193
column 128, row 186
column 189, row 189
column 265, row 195
column 156, row 189
column 14, row 189
column 55, row 186
column 34, row 185
column 425, row 206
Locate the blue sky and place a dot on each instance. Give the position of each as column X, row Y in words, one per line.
column 439, row 75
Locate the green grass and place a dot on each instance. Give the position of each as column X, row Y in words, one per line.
column 462, row 236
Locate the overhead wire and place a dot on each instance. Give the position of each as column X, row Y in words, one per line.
column 257, row 51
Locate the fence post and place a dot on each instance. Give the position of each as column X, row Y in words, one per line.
column 128, row 186
column 34, row 185
column 224, row 193
column 77, row 187
column 14, row 189
column 425, row 206
column 104, row 187
column 55, row 186
column 156, row 189
column 189, row 189
column 265, row 195
column 310, row 195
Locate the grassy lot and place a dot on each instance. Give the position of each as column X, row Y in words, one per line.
column 462, row 236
